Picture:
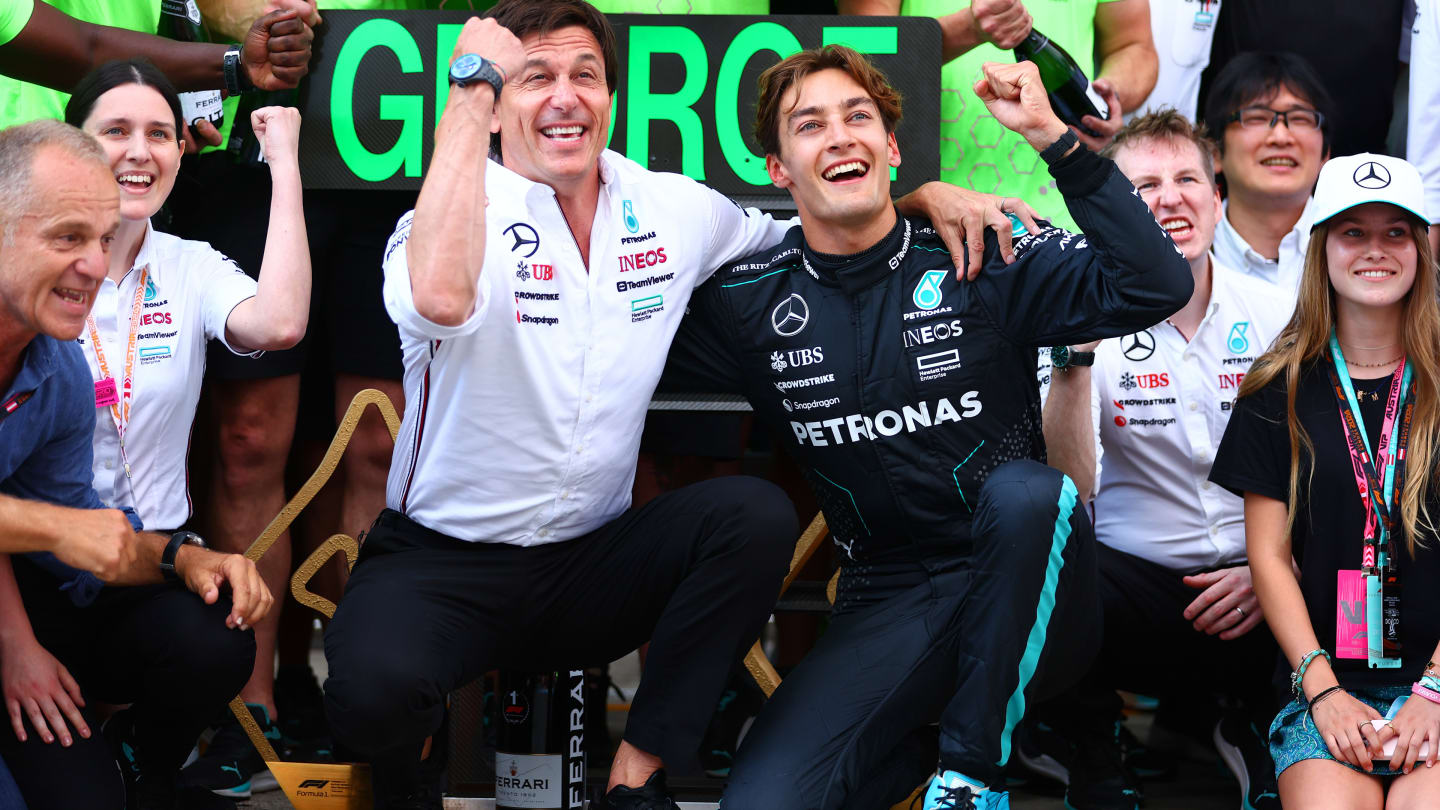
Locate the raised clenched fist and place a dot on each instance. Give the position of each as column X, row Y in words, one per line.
column 493, row 41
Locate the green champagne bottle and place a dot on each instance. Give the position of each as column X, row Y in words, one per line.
column 1071, row 96
column 244, row 145
column 180, row 20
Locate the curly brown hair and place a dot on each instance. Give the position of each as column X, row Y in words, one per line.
column 776, row 81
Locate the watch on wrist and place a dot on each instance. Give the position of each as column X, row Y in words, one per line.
column 167, row 559
column 1057, row 150
column 1064, row 357
column 469, row 68
column 237, row 81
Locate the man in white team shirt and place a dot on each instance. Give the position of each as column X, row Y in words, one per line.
column 1180, row 615
column 536, row 299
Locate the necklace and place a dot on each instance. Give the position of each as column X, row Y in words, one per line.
column 1389, row 362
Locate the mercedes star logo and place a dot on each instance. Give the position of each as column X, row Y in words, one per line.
column 790, row 316
column 525, row 237
column 1138, row 346
column 1372, row 175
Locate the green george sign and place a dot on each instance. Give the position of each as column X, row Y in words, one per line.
column 685, row 101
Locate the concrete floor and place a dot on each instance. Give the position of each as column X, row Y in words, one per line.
column 1200, row 785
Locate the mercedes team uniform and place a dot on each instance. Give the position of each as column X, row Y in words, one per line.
column 909, row 399
column 189, row 291
column 509, row 489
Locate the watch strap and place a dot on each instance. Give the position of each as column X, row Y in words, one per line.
column 237, row 81
column 1080, row 359
column 172, row 549
column 1057, row 150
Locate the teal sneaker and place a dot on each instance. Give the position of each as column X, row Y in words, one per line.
column 951, row 791
column 231, row 766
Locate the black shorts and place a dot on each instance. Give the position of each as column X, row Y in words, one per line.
column 228, row 205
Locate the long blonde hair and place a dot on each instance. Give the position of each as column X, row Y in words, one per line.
column 1308, row 335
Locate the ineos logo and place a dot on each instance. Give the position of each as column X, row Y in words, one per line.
column 1372, row 175
column 525, row 237
column 1138, row 346
column 790, row 316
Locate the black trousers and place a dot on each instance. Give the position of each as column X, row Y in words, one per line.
column 971, row 640
column 1149, row 647
column 157, row 646
column 695, row 572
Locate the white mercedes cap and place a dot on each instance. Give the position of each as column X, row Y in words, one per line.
column 1352, row 180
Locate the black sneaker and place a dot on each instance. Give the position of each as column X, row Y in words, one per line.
column 1244, row 752
column 231, row 766
column 1146, row 762
column 734, row 714
column 652, row 796
column 1099, row 779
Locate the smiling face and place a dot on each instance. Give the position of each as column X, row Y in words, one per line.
column 555, row 117
column 834, row 152
column 1171, row 178
column 1273, row 161
column 1371, row 254
column 53, row 266
column 136, row 128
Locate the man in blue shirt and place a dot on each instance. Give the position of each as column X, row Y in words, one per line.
column 152, row 644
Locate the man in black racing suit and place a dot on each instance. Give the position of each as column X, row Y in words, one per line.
column 908, row 395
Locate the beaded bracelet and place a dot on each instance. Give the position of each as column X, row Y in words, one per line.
column 1298, row 675
column 1429, row 694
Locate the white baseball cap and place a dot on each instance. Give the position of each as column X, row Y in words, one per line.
column 1352, row 180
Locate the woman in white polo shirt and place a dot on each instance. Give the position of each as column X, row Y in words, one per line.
column 165, row 297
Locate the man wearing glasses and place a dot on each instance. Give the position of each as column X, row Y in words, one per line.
column 1270, row 113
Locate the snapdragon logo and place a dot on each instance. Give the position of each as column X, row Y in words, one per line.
column 860, row 427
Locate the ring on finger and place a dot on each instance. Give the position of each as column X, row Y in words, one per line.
column 1240, row 610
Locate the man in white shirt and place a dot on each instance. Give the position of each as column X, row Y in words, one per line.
column 1149, row 414
column 537, row 297
column 1422, row 141
column 1271, row 115
column 1182, row 31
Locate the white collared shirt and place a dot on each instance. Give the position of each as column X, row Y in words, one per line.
column 1160, row 406
column 189, row 293
column 1183, row 30
column 1422, row 142
column 522, row 425
column 1231, row 249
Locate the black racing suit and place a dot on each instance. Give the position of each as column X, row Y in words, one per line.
column 909, row 397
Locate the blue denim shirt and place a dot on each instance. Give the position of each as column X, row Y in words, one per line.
column 45, row 452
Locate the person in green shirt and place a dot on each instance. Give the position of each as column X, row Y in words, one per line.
column 47, row 47
column 975, row 151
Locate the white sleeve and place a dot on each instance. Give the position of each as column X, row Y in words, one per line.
column 1095, row 426
column 400, row 299
column 1422, row 143
column 737, row 232
column 222, row 285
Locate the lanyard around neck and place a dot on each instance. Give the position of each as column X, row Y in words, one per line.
column 120, row 408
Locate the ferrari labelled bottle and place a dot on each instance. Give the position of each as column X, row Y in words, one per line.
column 180, row 20
column 540, row 741
column 1071, row 96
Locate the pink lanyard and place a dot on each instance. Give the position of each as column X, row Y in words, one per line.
column 120, row 408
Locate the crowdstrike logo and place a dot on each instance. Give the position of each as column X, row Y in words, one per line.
column 804, row 382
column 790, row 316
column 859, row 427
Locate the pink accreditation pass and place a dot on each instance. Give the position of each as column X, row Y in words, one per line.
column 105, row 393
column 1350, row 630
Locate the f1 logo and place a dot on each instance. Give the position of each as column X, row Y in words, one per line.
column 314, row 783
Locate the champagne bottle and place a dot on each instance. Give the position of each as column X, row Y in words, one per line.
column 1071, row 96
column 180, row 20
column 540, row 741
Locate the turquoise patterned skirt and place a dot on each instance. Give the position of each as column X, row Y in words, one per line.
column 1293, row 738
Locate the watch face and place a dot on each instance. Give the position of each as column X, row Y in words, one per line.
column 465, row 67
column 1060, row 356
